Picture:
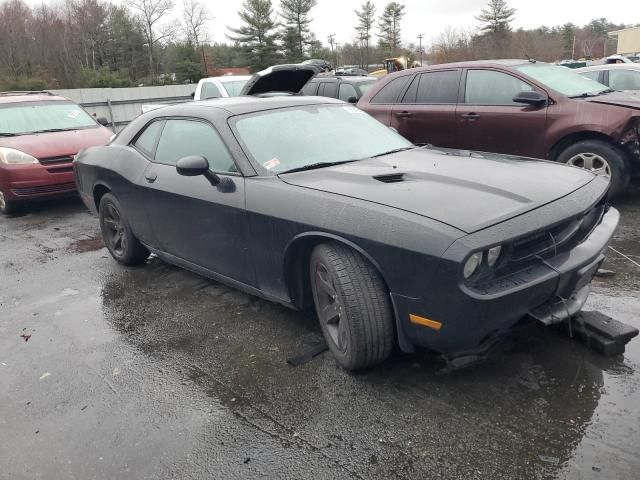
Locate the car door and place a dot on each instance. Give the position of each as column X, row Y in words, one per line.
column 490, row 121
column 346, row 91
column 192, row 219
column 427, row 112
column 382, row 102
column 328, row 88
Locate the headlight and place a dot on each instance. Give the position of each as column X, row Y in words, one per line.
column 472, row 264
column 493, row 254
column 11, row 156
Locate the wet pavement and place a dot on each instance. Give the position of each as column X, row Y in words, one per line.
column 109, row 372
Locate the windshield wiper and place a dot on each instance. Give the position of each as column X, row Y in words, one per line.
column 8, row 134
column 313, row 166
column 48, row 130
column 395, row 150
column 592, row 94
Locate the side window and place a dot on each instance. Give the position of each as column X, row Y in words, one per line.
column 392, row 90
column 209, row 90
column 181, row 138
column 624, row 79
column 330, row 89
column 346, row 92
column 439, row 87
column 488, row 87
column 593, row 75
column 147, row 140
column 310, row 88
column 412, row 91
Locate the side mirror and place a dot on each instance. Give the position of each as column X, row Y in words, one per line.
column 532, row 98
column 194, row 166
column 102, row 121
column 353, row 100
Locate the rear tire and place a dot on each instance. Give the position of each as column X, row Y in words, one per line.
column 601, row 158
column 353, row 306
column 118, row 237
column 9, row 207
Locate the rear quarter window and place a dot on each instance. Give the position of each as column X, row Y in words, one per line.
column 392, row 90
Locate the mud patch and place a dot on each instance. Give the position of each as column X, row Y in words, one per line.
column 89, row 244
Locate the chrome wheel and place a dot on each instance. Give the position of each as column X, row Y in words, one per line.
column 115, row 230
column 329, row 307
column 592, row 162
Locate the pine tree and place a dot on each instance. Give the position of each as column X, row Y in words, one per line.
column 257, row 37
column 389, row 27
column 295, row 14
column 366, row 17
column 496, row 17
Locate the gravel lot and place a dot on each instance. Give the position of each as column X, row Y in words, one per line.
column 109, row 372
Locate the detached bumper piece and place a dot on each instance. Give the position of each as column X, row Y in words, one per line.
column 601, row 333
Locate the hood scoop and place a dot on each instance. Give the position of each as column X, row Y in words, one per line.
column 390, row 178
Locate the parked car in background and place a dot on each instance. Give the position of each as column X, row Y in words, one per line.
column 40, row 133
column 617, row 76
column 212, row 87
column 516, row 107
column 352, row 72
column 309, row 201
column 346, row 88
column 323, row 65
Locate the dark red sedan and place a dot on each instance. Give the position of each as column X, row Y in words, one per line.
column 40, row 133
column 516, row 107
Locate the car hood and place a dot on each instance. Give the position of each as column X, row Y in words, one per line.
column 56, row 144
column 630, row 99
column 280, row 78
column 468, row 191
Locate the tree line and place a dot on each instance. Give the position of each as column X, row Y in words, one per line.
column 96, row 43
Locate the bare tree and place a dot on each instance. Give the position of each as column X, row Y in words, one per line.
column 152, row 12
column 196, row 17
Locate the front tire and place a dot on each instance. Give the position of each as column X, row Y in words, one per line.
column 9, row 207
column 118, row 237
column 602, row 159
column 353, row 306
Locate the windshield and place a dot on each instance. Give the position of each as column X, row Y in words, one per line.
column 562, row 79
column 366, row 86
column 234, row 88
column 292, row 138
column 32, row 117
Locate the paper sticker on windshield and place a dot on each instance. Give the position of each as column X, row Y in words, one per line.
column 354, row 110
column 73, row 113
column 269, row 164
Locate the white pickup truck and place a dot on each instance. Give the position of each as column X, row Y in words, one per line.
column 212, row 87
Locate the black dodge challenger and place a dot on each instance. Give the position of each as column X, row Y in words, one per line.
column 309, row 201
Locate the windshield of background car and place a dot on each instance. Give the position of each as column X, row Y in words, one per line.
column 234, row 88
column 280, row 140
column 561, row 79
column 366, row 86
column 32, row 117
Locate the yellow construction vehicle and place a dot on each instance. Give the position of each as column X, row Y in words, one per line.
column 394, row 65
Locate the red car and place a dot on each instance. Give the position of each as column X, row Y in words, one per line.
column 39, row 135
column 516, row 107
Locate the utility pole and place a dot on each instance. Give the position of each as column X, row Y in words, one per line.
column 420, row 37
column 573, row 48
column 337, row 54
column 331, row 39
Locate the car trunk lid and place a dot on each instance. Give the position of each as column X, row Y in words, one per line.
column 280, row 78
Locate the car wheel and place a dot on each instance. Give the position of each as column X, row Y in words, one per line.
column 353, row 306
column 602, row 159
column 117, row 234
column 8, row 207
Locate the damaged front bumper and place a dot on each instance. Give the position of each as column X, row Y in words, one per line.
column 551, row 292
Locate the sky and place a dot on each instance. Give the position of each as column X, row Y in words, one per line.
column 429, row 17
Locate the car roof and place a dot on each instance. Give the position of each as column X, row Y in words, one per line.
column 609, row 66
column 22, row 97
column 228, row 78
column 476, row 63
column 248, row 104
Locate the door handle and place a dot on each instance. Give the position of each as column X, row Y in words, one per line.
column 471, row 116
column 151, row 176
column 403, row 114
